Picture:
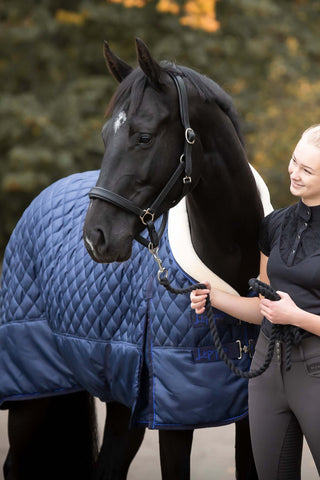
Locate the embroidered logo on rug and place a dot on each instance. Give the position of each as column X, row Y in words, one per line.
column 198, row 320
column 205, row 354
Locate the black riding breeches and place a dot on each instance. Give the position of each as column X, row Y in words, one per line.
column 284, row 406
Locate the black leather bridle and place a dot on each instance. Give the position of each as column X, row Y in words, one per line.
column 148, row 215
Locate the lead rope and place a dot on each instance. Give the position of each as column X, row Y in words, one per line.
column 288, row 334
column 259, row 287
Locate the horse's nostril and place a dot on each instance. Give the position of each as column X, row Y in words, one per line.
column 100, row 236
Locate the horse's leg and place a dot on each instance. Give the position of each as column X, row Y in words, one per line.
column 25, row 419
column 175, row 451
column 245, row 466
column 120, row 444
column 51, row 438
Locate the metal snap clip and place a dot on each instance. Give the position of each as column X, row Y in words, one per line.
column 145, row 214
column 242, row 349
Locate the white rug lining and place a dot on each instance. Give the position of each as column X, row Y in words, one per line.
column 182, row 248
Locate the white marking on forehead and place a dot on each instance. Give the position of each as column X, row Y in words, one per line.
column 119, row 121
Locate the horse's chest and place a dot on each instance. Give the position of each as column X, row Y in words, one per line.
column 119, row 302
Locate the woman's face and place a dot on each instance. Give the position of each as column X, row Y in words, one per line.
column 304, row 171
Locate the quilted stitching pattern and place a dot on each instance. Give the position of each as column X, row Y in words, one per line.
column 79, row 297
column 47, row 273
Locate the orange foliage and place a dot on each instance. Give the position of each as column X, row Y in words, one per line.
column 168, row 6
column 200, row 14
column 194, row 13
column 130, row 3
column 68, row 17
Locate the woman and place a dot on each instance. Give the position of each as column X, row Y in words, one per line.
column 284, row 402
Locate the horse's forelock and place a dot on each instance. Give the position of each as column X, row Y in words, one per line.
column 132, row 88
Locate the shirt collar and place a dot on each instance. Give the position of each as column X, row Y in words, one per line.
column 308, row 213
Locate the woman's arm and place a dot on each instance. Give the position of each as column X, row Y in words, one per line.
column 244, row 308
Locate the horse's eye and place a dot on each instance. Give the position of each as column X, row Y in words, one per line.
column 144, row 138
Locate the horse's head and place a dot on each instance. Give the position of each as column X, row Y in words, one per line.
column 144, row 139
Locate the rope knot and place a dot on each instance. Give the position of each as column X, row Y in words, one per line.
column 292, row 336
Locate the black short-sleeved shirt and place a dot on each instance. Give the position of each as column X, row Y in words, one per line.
column 290, row 237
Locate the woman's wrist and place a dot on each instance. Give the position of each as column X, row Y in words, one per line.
column 298, row 317
column 306, row 320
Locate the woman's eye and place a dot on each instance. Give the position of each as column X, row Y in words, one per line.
column 144, row 138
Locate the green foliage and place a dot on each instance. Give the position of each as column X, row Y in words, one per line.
column 274, row 63
column 55, row 87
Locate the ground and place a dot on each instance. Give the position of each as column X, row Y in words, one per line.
column 212, row 454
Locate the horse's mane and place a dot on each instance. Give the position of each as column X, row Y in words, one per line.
column 133, row 86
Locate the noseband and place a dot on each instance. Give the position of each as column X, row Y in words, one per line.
column 148, row 215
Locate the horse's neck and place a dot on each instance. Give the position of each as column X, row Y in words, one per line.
column 224, row 213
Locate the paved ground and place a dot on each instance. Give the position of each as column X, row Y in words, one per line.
column 212, row 454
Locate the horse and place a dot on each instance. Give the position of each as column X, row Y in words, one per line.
column 214, row 204
column 71, row 297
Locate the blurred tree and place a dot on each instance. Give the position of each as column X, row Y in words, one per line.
column 271, row 50
column 55, row 88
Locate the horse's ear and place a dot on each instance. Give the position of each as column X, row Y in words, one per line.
column 117, row 67
column 148, row 65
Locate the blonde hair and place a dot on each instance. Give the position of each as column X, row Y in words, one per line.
column 312, row 135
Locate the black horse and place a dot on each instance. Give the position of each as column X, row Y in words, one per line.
column 144, row 141
column 172, row 133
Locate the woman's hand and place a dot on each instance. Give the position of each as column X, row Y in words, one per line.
column 282, row 311
column 198, row 298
